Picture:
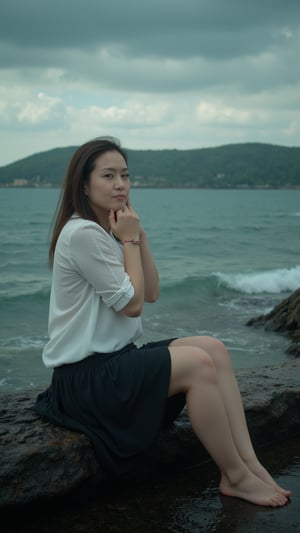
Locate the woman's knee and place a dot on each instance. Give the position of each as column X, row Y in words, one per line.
column 214, row 347
column 218, row 352
column 221, row 355
column 189, row 366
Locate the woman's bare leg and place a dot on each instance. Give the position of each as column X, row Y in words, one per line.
column 232, row 401
column 194, row 372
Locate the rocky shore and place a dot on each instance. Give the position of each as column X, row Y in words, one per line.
column 40, row 461
column 284, row 319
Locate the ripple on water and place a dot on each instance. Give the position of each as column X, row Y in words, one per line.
column 211, row 512
column 186, row 501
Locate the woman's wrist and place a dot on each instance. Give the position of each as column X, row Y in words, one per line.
column 131, row 240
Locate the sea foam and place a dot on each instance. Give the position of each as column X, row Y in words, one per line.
column 272, row 281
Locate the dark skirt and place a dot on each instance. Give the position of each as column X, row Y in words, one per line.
column 119, row 400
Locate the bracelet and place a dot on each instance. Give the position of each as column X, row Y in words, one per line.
column 133, row 241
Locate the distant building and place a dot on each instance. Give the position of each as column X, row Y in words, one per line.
column 20, row 183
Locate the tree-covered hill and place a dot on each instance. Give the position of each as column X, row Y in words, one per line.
column 237, row 165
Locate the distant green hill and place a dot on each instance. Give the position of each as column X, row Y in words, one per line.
column 249, row 165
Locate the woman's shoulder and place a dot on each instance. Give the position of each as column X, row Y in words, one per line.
column 80, row 231
column 76, row 223
column 78, row 227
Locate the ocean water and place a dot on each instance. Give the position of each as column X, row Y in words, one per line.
column 224, row 256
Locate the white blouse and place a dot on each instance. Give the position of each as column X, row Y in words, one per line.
column 89, row 289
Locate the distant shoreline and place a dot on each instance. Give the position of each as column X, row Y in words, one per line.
column 178, row 187
column 235, row 166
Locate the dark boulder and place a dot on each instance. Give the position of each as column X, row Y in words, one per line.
column 285, row 319
column 294, row 349
column 40, row 461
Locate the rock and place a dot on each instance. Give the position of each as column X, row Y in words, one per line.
column 285, row 319
column 41, row 461
column 294, row 349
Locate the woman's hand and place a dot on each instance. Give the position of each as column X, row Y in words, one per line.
column 125, row 223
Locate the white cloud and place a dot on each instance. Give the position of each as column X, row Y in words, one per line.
column 129, row 114
column 287, row 33
column 43, row 109
column 210, row 113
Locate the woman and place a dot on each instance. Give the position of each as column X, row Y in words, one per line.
column 102, row 384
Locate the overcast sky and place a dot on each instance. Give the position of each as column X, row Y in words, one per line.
column 154, row 73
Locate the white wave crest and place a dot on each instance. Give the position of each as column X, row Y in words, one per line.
column 273, row 281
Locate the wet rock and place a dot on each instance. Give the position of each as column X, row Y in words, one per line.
column 284, row 318
column 40, row 460
column 294, row 349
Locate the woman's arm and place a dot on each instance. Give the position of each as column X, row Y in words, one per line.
column 151, row 276
column 133, row 267
column 126, row 227
column 138, row 261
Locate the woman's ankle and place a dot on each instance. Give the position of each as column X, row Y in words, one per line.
column 233, row 476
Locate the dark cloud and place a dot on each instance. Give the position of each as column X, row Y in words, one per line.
column 170, row 28
column 160, row 45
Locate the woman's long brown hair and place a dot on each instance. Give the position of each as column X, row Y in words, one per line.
column 72, row 197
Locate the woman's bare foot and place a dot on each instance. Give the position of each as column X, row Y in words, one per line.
column 258, row 470
column 254, row 490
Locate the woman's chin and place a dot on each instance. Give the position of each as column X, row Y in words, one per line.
column 119, row 204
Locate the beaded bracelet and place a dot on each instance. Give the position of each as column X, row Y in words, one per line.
column 133, row 241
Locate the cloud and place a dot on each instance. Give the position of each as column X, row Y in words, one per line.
column 171, row 28
column 44, row 110
column 159, row 74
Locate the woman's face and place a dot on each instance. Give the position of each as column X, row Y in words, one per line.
column 108, row 185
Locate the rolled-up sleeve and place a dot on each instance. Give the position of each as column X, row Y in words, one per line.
column 95, row 256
